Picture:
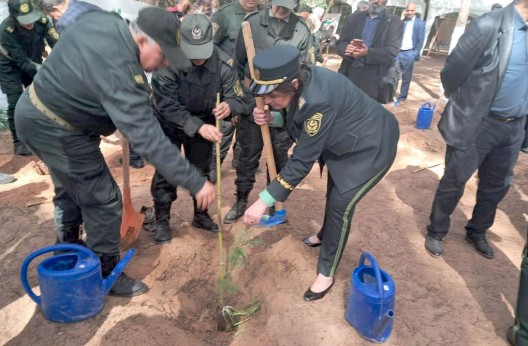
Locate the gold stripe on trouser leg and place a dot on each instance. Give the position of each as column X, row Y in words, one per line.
column 352, row 203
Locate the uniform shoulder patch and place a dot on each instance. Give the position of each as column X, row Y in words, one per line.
column 313, row 124
column 311, row 52
column 44, row 20
column 9, row 29
column 139, row 79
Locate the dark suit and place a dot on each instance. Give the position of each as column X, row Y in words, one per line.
column 381, row 53
column 476, row 137
column 354, row 136
column 407, row 57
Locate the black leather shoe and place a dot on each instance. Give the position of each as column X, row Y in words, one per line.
column 433, row 246
column 482, row 246
column 310, row 244
column 128, row 287
column 311, row 295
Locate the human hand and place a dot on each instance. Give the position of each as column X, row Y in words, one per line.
column 206, row 196
column 262, row 117
column 234, row 120
column 360, row 52
column 254, row 213
column 211, row 133
column 349, row 50
column 222, row 111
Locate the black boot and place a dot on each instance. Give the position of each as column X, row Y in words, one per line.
column 124, row 286
column 238, row 208
column 135, row 160
column 22, row 150
column 202, row 219
column 163, row 230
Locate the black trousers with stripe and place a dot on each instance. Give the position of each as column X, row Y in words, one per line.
column 337, row 220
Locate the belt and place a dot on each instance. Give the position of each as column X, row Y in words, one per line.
column 46, row 111
column 406, row 50
column 504, row 119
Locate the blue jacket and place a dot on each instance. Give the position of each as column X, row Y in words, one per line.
column 418, row 37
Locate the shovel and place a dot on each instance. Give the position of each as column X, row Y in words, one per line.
column 280, row 214
column 131, row 221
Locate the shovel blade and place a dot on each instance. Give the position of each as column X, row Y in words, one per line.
column 131, row 222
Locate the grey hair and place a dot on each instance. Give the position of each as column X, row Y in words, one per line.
column 136, row 31
column 362, row 5
column 47, row 5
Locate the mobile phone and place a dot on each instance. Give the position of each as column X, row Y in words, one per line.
column 357, row 43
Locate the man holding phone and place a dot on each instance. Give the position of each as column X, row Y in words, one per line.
column 369, row 43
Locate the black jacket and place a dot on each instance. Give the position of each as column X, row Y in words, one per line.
column 184, row 100
column 337, row 123
column 473, row 74
column 381, row 54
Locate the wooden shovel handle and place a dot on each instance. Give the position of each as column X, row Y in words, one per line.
column 266, row 137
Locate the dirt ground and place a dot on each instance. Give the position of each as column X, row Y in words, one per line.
column 460, row 299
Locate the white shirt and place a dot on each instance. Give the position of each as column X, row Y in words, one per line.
column 407, row 42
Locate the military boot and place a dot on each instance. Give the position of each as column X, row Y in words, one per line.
column 202, row 219
column 21, row 149
column 124, row 285
column 163, row 230
column 238, row 208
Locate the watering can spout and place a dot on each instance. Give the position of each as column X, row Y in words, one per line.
column 111, row 279
column 383, row 323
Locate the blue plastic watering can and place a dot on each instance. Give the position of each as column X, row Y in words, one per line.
column 425, row 116
column 371, row 298
column 71, row 285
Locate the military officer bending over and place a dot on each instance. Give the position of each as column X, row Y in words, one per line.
column 185, row 103
column 334, row 122
column 92, row 84
column 22, row 41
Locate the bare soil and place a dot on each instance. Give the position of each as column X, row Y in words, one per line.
column 460, row 299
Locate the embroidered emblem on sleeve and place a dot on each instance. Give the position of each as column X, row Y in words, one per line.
column 238, row 89
column 313, row 124
column 284, row 183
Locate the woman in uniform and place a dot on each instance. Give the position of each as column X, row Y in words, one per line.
column 333, row 122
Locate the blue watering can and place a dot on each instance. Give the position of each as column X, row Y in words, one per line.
column 370, row 307
column 71, row 285
column 425, row 116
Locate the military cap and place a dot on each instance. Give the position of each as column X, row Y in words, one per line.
column 289, row 4
column 197, row 36
column 24, row 11
column 163, row 28
column 274, row 66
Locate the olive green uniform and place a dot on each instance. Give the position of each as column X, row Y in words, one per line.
column 267, row 32
column 226, row 26
column 96, row 93
column 20, row 57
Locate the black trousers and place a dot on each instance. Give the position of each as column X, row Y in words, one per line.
column 250, row 140
column 494, row 154
column 13, row 91
column 339, row 210
column 85, row 191
column 198, row 152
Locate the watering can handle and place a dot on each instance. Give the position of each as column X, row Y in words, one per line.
column 367, row 255
column 44, row 250
column 426, row 105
